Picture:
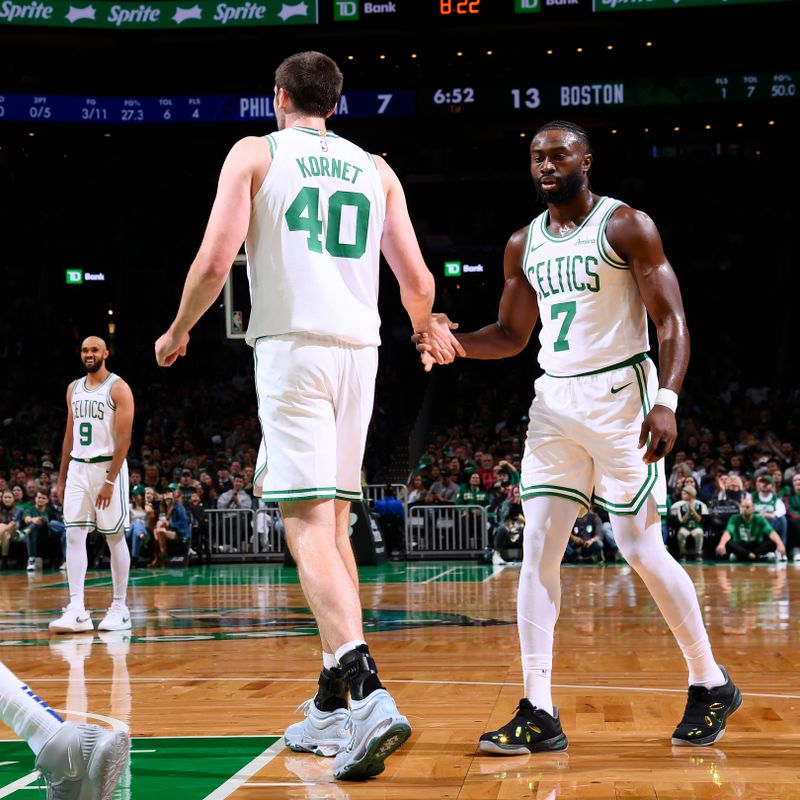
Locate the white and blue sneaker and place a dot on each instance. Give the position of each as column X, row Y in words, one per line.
column 83, row 762
column 378, row 729
column 324, row 733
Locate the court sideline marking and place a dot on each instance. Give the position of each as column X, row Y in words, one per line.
column 582, row 686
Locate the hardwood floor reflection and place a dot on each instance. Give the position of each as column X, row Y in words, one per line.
column 231, row 651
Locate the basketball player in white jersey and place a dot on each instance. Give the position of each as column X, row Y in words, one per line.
column 93, row 484
column 77, row 761
column 592, row 268
column 316, row 211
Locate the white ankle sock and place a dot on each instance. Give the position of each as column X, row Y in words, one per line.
column 347, row 647
column 536, row 672
column 329, row 660
column 77, row 562
column 120, row 566
column 27, row 715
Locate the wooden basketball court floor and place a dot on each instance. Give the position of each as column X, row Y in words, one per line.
column 220, row 657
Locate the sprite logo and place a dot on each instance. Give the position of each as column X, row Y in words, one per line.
column 452, row 269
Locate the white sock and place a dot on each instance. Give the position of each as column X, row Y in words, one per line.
column 77, row 563
column 27, row 715
column 536, row 672
column 347, row 647
column 329, row 660
column 548, row 522
column 673, row 591
column 120, row 565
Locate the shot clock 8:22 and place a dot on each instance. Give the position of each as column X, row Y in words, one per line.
column 447, row 7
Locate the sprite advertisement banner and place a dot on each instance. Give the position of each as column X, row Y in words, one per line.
column 635, row 5
column 158, row 15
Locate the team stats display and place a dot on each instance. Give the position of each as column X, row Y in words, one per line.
column 446, row 98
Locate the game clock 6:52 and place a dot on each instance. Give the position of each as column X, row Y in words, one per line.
column 455, row 96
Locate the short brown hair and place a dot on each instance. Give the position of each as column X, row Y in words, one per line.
column 313, row 81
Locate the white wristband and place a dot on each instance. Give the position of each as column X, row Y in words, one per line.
column 110, row 483
column 668, row 398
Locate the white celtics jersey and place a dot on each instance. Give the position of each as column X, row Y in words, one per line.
column 313, row 247
column 93, row 419
column 592, row 314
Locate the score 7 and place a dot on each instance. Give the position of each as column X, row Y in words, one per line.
column 385, row 99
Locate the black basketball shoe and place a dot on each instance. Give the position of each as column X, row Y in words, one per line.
column 706, row 710
column 531, row 731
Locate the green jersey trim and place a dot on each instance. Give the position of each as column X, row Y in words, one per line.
column 549, row 236
column 635, row 505
column 296, row 495
column 342, row 494
column 628, row 362
column 601, row 240
column 314, row 131
column 555, row 491
column 526, row 251
column 100, row 386
column 273, row 145
column 263, row 469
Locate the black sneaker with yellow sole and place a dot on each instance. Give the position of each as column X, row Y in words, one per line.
column 706, row 711
column 531, row 731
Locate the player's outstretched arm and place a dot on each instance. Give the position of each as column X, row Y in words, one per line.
column 635, row 237
column 517, row 315
column 66, row 449
column 241, row 176
column 417, row 287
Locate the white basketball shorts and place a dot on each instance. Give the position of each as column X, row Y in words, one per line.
column 84, row 481
column 315, row 397
column 583, row 438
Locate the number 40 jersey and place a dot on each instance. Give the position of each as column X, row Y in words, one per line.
column 591, row 311
column 313, row 246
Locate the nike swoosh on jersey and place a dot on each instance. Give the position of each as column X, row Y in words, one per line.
column 615, row 389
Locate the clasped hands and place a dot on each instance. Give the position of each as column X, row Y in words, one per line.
column 436, row 343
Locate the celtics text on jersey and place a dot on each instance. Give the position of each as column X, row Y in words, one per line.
column 92, row 419
column 591, row 312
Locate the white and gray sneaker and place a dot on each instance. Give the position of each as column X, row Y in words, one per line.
column 117, row 618
column 324, row 733
column 83, row 762
column 378, row 729
column 72, row 620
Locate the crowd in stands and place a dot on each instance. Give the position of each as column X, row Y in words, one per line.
column 736, row 461
column 733, row 477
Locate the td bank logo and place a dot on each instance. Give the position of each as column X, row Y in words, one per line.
column 345, row 11
column 452, row 269
column 74, row 276
column 527, row 6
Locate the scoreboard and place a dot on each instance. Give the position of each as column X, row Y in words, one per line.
column 446, row 98
column 222, row 14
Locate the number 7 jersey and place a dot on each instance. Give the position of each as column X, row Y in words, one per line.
column 313, row 246
column 592, row 313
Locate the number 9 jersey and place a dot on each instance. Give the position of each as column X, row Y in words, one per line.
column 313, row 246
column 93, row 420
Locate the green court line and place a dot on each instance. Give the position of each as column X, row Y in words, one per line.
column 181, row 768
column 279, row 575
